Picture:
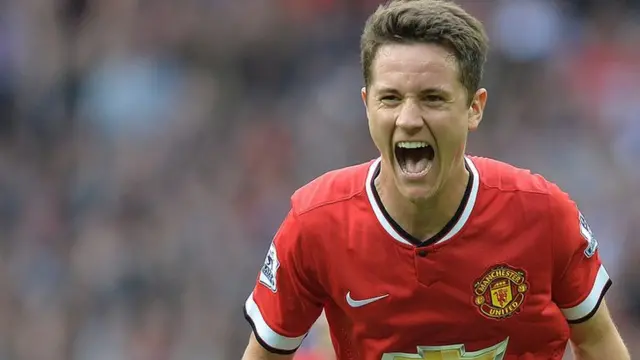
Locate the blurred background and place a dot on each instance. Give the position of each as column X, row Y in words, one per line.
column 148, row 149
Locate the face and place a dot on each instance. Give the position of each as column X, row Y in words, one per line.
column 419, row 116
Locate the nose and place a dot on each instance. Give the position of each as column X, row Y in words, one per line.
column 410, row 118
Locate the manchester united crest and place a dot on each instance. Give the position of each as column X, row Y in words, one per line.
column 500, row 292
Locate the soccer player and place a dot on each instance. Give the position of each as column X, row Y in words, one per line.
column 425, row 252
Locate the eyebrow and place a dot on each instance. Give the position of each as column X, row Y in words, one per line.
column 431, row 90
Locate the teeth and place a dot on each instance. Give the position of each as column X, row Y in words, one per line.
column 412, row 144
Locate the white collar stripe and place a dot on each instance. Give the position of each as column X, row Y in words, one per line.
column 376, row 209
column 466, row 213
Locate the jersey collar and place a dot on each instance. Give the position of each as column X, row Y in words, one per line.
column 449, row 231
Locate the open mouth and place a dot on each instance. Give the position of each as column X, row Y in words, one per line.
column 414, row 157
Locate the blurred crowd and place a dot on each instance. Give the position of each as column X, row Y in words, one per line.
column 148, row 149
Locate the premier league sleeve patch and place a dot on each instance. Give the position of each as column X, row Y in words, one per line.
column 587, row 234
column 269, row 270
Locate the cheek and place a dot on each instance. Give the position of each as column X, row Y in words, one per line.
column 460, row 151
column 381, row 130
column 450, row 131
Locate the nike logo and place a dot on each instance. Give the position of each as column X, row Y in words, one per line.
column 359, row 303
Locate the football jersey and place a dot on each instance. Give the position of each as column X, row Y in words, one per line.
column 503, row 280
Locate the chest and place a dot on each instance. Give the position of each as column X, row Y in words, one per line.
column 471, row 290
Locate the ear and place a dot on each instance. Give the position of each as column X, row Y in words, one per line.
column 476, row 109
column 363, row 94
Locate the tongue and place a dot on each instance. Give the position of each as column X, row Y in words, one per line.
column 415, row 165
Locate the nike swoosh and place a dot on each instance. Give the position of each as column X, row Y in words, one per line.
column 359, row 303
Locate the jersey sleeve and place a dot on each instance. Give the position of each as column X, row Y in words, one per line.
column 285, row 301
column 580, row 279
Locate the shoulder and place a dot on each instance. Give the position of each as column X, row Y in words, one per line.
column 505, row 177
column 537, row 195
column 332, row 187
column 319, row 211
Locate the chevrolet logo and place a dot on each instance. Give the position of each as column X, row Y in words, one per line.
column 452, row 352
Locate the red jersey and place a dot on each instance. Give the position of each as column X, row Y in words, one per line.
column 502, row 280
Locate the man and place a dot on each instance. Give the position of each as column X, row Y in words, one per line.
column 426, row 253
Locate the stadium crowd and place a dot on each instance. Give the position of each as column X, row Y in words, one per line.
column 148, row 150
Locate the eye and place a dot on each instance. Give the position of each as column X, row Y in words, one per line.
column 433, row 98
column 389, row 99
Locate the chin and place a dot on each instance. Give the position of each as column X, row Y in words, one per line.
column 416, row 192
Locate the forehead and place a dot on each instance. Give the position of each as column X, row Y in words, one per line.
column 412, row 66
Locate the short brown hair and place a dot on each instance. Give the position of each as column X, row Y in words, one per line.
column 439, row 22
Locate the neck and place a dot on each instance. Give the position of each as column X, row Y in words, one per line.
column 424, row 219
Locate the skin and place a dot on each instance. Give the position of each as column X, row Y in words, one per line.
column 415, row 94
column 255, row 351
column 598, row 338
